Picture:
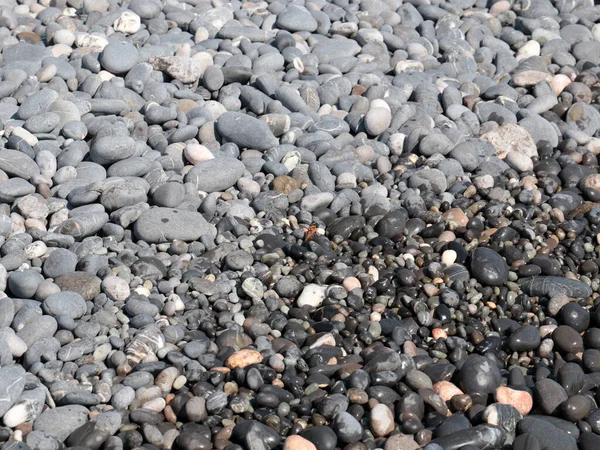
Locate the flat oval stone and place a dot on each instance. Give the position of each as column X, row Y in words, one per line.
column 548, row 435
column 479, row 375
column 165, row 224
column 488, row 267
column 525, row 339
column 216, row 175
column 541, row 286
column 245, row 131
column 567, row 340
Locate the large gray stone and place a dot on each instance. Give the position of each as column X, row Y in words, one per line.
column 216, row 175
column 167, row 224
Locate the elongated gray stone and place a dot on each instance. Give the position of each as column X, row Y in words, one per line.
column 538, row 286
column 18, row 164
column 62, row 421
column 485, row 437
column 166, row 224
column 216, row 175
column 12, row 383
column 246, row 131
column 83, row 225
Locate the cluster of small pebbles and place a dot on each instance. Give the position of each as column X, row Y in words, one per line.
column 299, row 225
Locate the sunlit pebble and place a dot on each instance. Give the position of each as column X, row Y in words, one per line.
column 296, row 442
column 546, row 330
column 338, row 318
column 375, row 317
column 446, row 390
column 351, row 283
column 410, row 348
column 378, row 307
column 170, row 414
column 447, row 236
column 449, row 257
column 430, row 289
column 373, row 273
column 438, row 333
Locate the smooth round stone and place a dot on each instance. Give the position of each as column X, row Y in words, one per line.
column 166, row 224
column 546, row 434
column 245, row 131
column 576, row 408
column 196, row 153
column 42, row 123
column 146, row 10
column 323, row 437
column 525, row 339
column 116, row 288
column 549, row 395
column 249, row 431
column 567, row 340
column 296, row 18
column 110, row 149
column 588, row 440
column 61, row 421
column 519, row 162
column 213, row 78
column 169, row 195
column 575, row 316
column 216, row 175
column 74, row 130
column 347, row 428
column 239, row 259
column 435, row 144
column 381, row 420
column 61, row 261
column 296, row 442
column 65, row 303
column 312, row 295
column 522, row 401
column 526, row 442
column 24, row 284
column 377, row 121
column 479, row 375
column 488, row 267
column 119, row 57
column 583, row 117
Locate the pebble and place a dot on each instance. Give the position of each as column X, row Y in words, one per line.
column 300, row 225
column 488, row 267
column 521, row 400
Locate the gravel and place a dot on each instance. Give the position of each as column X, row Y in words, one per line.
column 299, row 225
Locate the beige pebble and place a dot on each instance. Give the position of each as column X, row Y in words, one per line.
column 447, row 236
column 456, row 215
column 296, row 442
column 243, row 358
column 449, row 257
column 381, row 420
column 446, row 390
column 520, row 400
column 438, row 333
column 351, row 283
column 127, row 23
column 559, row 82
column 196, row 153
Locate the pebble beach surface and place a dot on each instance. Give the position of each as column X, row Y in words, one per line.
column 299, row 225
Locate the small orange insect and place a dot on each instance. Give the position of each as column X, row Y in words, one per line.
column 311, row 232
